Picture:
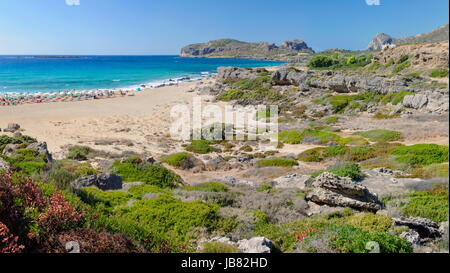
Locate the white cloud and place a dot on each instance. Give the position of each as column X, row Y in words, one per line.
column 73, row 2
column 373, row 2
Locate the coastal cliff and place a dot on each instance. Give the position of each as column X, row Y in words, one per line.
column 436, row 36
column 230, row 48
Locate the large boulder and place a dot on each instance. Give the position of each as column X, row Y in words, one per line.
column 425, row 227
column 234, row 74
column 41, row 150
column 333, row 190
column 416, row 101
column 12, row 127
column 289, row 76
column 102, row 181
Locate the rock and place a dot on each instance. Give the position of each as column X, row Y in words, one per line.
column 425, row 227
column 4, row 166
column 232, row 181
column 41, row 150
column 10, row 149
column 253, row 245
column 256, row 245
column 411, row 236
column 291, row 181
column 380, row 40
column 295, row 45
column 416, row 101
column 244, row 158
column 126, row 186
column 17, row 134
column 234, row 74
column 333, row 190
column 72, row 247
column 217, row 163
column 389, row 172
column 102, row 181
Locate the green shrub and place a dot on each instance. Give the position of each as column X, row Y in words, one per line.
column 26, row 161
column 5, row 140
column 208, row 187
column 395, row 98
column 108, row 199
column 146, row 172
column 350, row 170
column 139, row 191
column 368, row 221
column 380, row 115
column 380, row 135
column 277, row 162
column 290, row 137
column 167, row 219
column 438, row 73
column 321, row 153
column 233, row 94
column 79, row 153
column 350, row 239
column 218, row 247
column 61, row 178
column 200, row 147
column 421, row 154
column 400, row 67
column 432, row 204
column 253, row 84
column 178, row 160
column 331, row 120
column 340, row 102
column 320, row 61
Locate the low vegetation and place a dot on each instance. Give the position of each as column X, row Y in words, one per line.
column 380, row 135
column 277, row 162
column 438, row 73
column 200, row 147
column 135, row 170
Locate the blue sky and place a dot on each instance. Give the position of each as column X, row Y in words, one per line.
column 164, row 26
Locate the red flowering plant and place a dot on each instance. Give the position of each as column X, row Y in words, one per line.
column 8, row 242
column 60, row 215
column 28, row 215
column 299, row 237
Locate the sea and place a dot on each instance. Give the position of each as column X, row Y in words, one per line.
column 19, row 74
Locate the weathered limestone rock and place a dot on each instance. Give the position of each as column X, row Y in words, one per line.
column 333, row 190
column 425, row 227
column 416, row 101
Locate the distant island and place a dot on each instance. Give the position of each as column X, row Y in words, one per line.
column 230, row 48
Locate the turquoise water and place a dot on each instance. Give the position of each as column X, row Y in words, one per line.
column 54, row 74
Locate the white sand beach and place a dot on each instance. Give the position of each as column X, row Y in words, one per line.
column 131, row 119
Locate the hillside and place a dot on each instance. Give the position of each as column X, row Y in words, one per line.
column 438, row 35
column 230, row 48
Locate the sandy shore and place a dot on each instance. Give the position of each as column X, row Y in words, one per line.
column 130, row 121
